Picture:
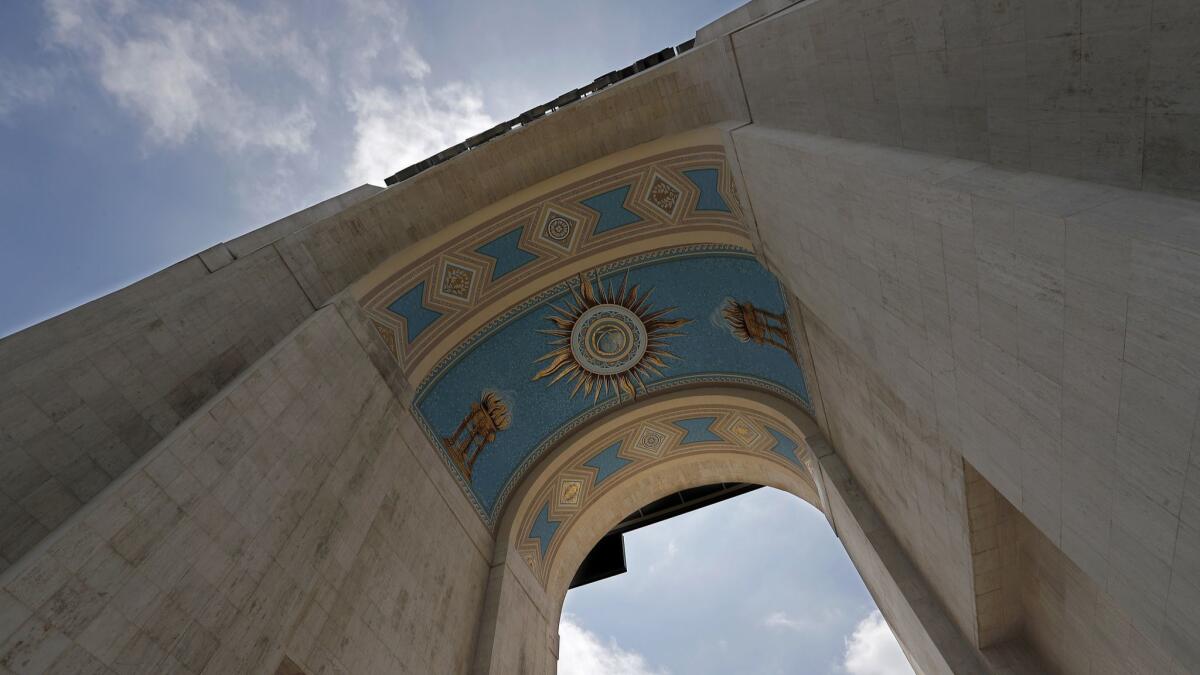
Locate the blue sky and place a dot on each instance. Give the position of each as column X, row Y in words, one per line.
column 135, row 133
column 755, row 585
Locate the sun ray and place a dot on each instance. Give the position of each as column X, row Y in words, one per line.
column 573, row 368
column 559, row 361
column 607, row 338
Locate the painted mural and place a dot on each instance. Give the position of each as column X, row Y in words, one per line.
column 655, row 322
column 522, row 326
column 608, row 339
column 479, row 426
column 757, row 325
column 681, row 196
column 605, row 462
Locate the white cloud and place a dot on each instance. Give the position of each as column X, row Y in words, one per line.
column 270, row 80
column 782, row 620
column 394, row 129
column 873, row 650
column 188, row 69
column 582, row 652
column 812, row 620
column 380, row 29
column 668, row 556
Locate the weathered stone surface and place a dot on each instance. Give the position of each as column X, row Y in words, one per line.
column 310, row 529
column 201, row 475
column 1092, row 89
column 1066, row 378
column 82, row 396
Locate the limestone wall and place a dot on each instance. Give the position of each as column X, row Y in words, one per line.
column 519, row 631
column 1100, row 90
column 292, row 514
column 930, row 638
column 1077, row 626
column 743, row 15
column 244, row 499
column 914, row 481
column 1038, row 327
column 696, row 90
column 85, row 394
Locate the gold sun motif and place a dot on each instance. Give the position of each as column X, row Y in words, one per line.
column 608, row 340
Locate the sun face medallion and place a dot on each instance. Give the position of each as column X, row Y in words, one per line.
column 605, row 339
column 608, row 339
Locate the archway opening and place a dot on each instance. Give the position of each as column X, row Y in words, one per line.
column 598, row 477
column 740, row 579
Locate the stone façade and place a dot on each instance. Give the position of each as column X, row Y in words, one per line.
column 982, row 219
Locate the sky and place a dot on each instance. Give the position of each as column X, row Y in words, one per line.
column 135, row 133
column 754, row 585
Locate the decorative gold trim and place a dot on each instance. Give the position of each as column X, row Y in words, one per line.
column 732, row 413
column 581, row 248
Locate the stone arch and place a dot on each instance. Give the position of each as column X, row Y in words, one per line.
column 985, row 398
column 772, row 450
column 573, row 500
column 657, row 231
column 458, row 279
column 463, row 314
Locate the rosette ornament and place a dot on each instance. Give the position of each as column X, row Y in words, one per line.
column 608, row 340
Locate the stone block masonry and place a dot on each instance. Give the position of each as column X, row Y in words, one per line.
column 1098, row 90
column 1037, row 327
column 289, row 515
column 216, row 467
column 83, row 395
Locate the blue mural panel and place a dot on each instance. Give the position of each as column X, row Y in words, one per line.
column 411, row 306
column 543, row 528
column 697, row 430
column 607, row 462
column 507, row 253
column 710, row 196
column 700, row 284
column 611, row 207
column 784, row 446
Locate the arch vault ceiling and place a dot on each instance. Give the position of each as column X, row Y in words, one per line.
column 631, row 279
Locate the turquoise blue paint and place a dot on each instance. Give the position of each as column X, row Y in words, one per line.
column 696, row 282
column 412, row 307
column 507, row 252
column 784, row 446
column 697, row 430
column 543, row 528
column 611, row 207
column 606, row 462
column 710, row 195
